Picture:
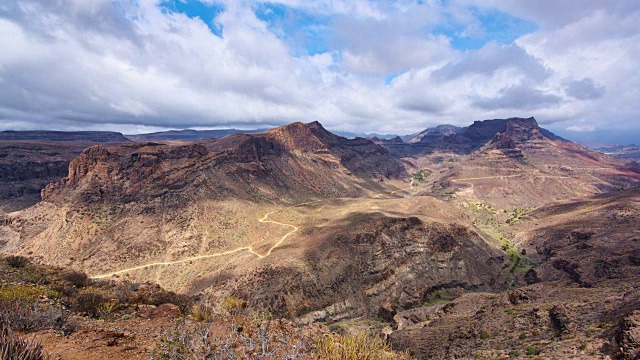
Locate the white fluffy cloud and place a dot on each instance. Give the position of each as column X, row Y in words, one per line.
column 388, row 66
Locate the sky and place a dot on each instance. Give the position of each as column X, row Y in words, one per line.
column 365, row 66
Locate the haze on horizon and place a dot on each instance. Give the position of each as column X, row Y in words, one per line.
column 359, row 66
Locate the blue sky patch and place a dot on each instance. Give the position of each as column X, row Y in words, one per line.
column 196, row 9
column 390, row 77
column 496, row 25
column 308, row 34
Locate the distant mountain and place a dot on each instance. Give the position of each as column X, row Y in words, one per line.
column 514, row 162
column 629, row 152
column 43, row 135
column 351, row 135
column 458, row 140
column 431, row 134
column 188, row 134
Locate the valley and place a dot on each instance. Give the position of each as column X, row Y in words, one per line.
column 500, row 237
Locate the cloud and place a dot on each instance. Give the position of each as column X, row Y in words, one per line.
column 585, row 89
column 491, row 59
column 361, row 65
column 582, row 128
column 520, row 97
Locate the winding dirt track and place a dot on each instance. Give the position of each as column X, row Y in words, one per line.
column 505, row 177
column 249, row 248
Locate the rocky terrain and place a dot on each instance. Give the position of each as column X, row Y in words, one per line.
column 515, row 163
column 579, row 299
column 498, row 240
column 26, row 167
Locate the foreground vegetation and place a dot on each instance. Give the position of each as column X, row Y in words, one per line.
column 35, row 298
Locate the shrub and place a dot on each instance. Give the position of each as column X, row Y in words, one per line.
column 356, row 347
column 33, row 275
column 484, row 335
column 30, row 318
column 76, row 278
column 233, row 305
column 13, row 347
column 106, row 309
column 17, row 261
column 241, row 340
column 22, row 294
column 158, row 298
column 201, row 311
column 90, row 302
column 532, row 350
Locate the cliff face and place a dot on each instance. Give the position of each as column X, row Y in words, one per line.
column 296, row 161
column 26, row 167
column 374, row 265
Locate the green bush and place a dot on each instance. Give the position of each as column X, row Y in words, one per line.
column 23, row 294
column 233, row 305
column 532, row 350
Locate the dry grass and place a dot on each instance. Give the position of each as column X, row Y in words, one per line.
column 356, row 347
column 201, row 311
column 233, row 305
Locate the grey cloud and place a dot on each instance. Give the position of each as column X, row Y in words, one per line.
column 518, row 97
column 90, row 17
column 491, row 58
column 426, row 105
column 585, row 89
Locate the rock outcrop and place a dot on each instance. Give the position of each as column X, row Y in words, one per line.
column 628, row 337
column 374, row 265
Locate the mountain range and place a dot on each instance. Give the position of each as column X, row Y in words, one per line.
column 500, row 238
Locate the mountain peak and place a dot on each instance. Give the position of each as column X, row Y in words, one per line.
column 297, row 136
column 520, row 130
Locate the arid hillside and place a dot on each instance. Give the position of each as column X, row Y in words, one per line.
column 510, row 163
column 579, row 299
